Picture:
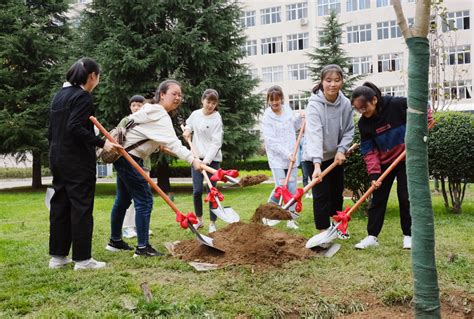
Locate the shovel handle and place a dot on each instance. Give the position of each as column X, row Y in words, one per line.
column 295, row 151
column 136, row 166
column 320, row 177
column 382, row 177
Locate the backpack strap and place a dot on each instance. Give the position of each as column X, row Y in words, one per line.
column 131, row 124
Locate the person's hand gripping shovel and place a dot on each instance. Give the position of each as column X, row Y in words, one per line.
column 227, row 214
column 185, row 221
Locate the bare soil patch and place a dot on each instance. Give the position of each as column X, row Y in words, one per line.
column 248, row 244
column 270, row 211
column 252, row 180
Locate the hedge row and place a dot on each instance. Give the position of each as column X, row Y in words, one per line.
column 182, row 169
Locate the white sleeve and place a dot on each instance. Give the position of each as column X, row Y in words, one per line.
column 216, row 142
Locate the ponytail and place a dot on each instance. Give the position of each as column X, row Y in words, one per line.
column 79, row 72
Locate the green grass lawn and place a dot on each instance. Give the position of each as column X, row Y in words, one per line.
column 350, row 281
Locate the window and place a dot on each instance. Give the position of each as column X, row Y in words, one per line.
column 272, row 45
column 359, row 33
column 354, row 5
column 456, row 21
column 270, row 15
column 298, row 71
column 458, row 90
column 390, row 62
column 297, row 101
column 272, row 74
column 299, row 41
column 361, row 65
column 247, row 19
column 459, row 55
column 398, row 90
column 383, row 3
column 389, row 29
column 326, row 6
column 250, row 48
column 296, row 11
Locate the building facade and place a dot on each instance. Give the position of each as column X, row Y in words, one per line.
column 281, row 33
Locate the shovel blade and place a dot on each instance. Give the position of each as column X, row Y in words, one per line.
column 203, row 239
column 227, row 214
column 325, row 237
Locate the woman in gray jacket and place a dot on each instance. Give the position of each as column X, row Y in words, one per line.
column 329, row 133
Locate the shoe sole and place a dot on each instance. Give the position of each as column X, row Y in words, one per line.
column 112, row 249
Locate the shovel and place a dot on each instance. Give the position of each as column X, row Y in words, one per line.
column 315, row 181
column 184, row 221
column 342, row 218
column 227, row 214
column 47, row 198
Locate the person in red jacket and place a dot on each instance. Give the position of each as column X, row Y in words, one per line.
column 382, row 131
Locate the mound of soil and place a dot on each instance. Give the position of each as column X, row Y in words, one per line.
column 247, row 244
column 270, row 211
column 252, row 180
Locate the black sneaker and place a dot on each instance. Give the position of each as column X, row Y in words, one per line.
column 147, row 251
column 117, row 245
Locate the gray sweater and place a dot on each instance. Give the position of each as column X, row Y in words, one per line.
column 329, row 127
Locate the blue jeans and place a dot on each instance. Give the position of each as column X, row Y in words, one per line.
column 131, row 185
column 279, row 175
column 198, row 189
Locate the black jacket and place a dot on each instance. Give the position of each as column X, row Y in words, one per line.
column 71, row 136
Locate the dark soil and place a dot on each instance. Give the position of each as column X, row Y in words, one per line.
column 270, row 211
column 252, row 180
column 247, row 244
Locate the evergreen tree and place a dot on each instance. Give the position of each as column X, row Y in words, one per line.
column 331, row 52
column 140, row 43
column 32, row 45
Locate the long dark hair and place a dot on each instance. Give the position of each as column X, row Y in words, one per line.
column 79, row 72
column 366, row 93
column 325, row 71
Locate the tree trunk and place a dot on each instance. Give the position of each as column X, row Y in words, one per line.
column 455, row 188
column 36, row 180
column 445, row 195
column 425, row 277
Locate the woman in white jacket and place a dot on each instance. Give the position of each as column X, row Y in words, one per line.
column 206, row 126
column 279, row 127
column 153, row 124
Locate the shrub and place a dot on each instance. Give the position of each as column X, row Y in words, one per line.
column 451, row 155
column 355, row 172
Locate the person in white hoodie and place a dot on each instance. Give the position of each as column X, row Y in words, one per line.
column 279, row 127
column 329, row 134
column 154, row 125
column 207, row 131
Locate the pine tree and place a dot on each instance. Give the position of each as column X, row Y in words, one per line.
column 331, row 52
column 32, row 46
column 140, row 43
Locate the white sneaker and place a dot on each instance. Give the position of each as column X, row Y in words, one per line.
column 150, row 232
column 292, row 225
column 270, row 222
column 406, row 242
column 58, row 262
column 89, row 264
column 198, row 225
column 308, row 195
column 369, row 241
column 129, row 232
column 212, row 228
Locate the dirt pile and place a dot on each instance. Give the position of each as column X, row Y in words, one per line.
column 252, row 180
column 247, row 244
column 270, row 211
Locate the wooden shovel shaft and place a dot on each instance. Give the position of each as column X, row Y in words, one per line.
column 136, row 166
column 295, row 151
column 382, row 177
column 321, row 176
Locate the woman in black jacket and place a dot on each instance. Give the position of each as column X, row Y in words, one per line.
column 72, row 156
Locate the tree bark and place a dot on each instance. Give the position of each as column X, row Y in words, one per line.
column 36, row 179
column 425, row 278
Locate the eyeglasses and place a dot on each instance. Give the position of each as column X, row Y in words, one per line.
column 176, row 95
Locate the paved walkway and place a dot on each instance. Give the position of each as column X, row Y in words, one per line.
column 22, row 182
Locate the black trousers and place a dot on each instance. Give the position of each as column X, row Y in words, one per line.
column 378, row 204
column 328, row 195
column 71, row 220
